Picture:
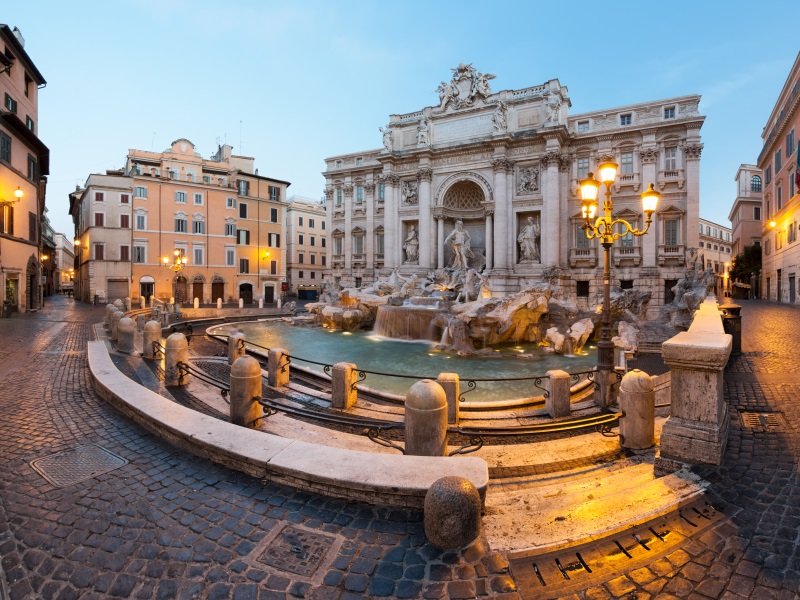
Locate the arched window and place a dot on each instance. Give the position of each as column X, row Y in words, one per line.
column 755, row 183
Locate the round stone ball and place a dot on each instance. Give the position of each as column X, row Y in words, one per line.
column 452, row 513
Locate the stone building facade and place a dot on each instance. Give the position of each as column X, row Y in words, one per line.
column 745, row 215
column 715, row 253
column 506, row 165
column 306, row 247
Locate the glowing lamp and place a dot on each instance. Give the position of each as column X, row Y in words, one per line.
column 608, row 171
column 650, row 198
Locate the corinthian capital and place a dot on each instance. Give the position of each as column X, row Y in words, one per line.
column 693, row 151
column 502, row 164
column 425, row 174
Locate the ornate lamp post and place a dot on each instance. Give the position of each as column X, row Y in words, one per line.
column 607, row 229
column 177, row 266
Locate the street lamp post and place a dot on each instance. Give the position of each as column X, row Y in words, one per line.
column 178, row 264
column 607, row 229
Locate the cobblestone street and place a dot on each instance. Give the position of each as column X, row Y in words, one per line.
column 169, row 525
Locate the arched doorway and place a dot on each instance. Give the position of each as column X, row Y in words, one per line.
column 197, row 288
column 217, row 289
column 147, row 287
column 246, row 292
column 181, row 289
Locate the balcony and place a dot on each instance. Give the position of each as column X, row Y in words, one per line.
column 583, row 257
column 627, row 256
column 671, row 255
column 671, row 176
column 359, row 259
column 628, row 179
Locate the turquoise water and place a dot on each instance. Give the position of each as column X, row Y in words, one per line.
column 384, row 355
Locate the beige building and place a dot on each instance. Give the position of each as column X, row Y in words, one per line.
column 24, row 166
column 779, row 162
column 715, row 252
column 217, row 217
column 745, row 215
column 506, row 165
column 65, row 263
column 306, row 247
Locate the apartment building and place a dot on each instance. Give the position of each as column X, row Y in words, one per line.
column 307, row 247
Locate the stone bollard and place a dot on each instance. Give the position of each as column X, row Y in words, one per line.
column 557, row 402
column 196, row 303
column 452, row 513
column 241, row 302
column 142, row 302
column 278, row 367
column 115, row 317
column 278, row 303
column 426, row 419
column 152, row 333
column 246, row 390
column 127, row 302
column 177, row 351
column 139, row 322
column 344, row 392
column 451, row 384
column 260, row 303
column 125, row 333
column 219, row 303
column 172, row 300
column 637, row 400
column 236, row 346
column 110, row 309
column 119, row 304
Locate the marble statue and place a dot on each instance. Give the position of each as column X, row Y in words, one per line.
column 387, row 137
column 423, row 133
column 459, row 242
column 528, row 180
column 409, row 192
column 446, row 93
column 500, row 117
column 529, row 239
column 553, row 109
column 411, row 246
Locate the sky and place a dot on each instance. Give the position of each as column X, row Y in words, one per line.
column 291, row 83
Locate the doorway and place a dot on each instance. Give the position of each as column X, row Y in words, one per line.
column 181, row 289
column 269, row 294
column 197, row 291
column 217, row 291
column 791, row 289
column 246, row 292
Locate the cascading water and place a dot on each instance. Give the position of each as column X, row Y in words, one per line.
column 406, row 322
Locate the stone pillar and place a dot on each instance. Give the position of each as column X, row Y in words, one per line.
column 557, row 402
column 119, row 304
column 697, row 429
column 425, row 174
column 143, row 302
column 241, row 302
column 369, row 238
column 110, row 309
column 390, row 241
column 278, row 367
column 196, row 303
column 426, row 419
column 115, row 317
column 440, row 243
column 347, row 242
column 691, row 157
column 139, row 322
column 246, row 391
column 236, row 347
column 489, row 241
column 261, row 303
column 127, row 303
column 344, row 392
column 647, row 158
column 152, row 333
column 637, row 400
column 502, row 217
column 451, row 384
column 177, row 351
column 125, row 333
column 551, row 228
column 219, row 303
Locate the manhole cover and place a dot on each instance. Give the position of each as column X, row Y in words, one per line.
column 297, row 551
column 761, row 421
column 78, row 464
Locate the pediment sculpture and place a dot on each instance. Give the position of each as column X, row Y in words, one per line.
column 466, row 85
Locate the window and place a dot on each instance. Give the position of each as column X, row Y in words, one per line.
column 125, row 221
column 582, row 289
column 670, row 158
column 671, row 232
column 198, row 226
column 626, row 284
column 313, row 259
column 33, row 227
column 230, row 202
column 778, row 162
column 99, row 219
column 230, row 256
column 767, row 175
column 99, row 251
column 5, row 147
column 140, row 192
column 358, row 243
column 708, row 230
column 311, row 223
column 125, row 198
column 99, row 196
column 300, row 221
column 300, row 258
column 791, row 185
column 180, row 197
column 274, row 193
column 337, row 246
column 314, row 275
column 181, row 225
column 313, row 241
column 273, row 215
column 324, row 260
column 338, row 164
column 583, row 126
column 338, row 196
column 669, row 112
column 125, row 253
column 625, row 119
column 242, row 210
column 359, row 162
column 274, row 240
column 779, row 196
column 206, row 179
column 198, row 198
column 755, row 183
column 32, row 170
column 323, row 242
column 230, row 229
column 300, row 239
column 626, row 163
column 198, row 256
column 140, row 254
column 381, row 192
column 244, row 265
column 243, row 187
column 273, row 267
column 626, row 241
column 243, row 237
column 10, row 104
column 323, row 226
column 790, row 143
column 583, row 167
column 359, row 194
column 30, row 124
column 581, row 241
column 299, row 274
column 141, row 221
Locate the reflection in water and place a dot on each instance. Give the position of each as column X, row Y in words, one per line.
column 417, row 358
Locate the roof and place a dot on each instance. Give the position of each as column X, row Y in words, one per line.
column 8, row 34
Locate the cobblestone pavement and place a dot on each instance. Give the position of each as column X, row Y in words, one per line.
column 168, row 525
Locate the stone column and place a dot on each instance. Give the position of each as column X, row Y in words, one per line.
column 426, row 419
column 425, row 175
column 637, row 400
column 390, row 224
column 348, row 229
column 278, row 367
column 551, row 200
column 343, row 390
column 152, row 334
column 557, row 401
column 369, row 239
column 691, row 157
column 125, row 333
column 236, row 346
column 502, row 217
column 246, row 391
column 440, row 242
column 451, row 384
column 489, row 240
column 648, row 158
column 564, row 217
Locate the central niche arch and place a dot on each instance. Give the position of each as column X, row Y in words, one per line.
column 464, row 195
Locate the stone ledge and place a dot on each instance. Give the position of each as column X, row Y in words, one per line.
column 375, row 478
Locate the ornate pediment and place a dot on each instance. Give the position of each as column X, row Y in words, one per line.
column 466, row 86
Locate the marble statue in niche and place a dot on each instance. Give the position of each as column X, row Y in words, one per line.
column 529, row 240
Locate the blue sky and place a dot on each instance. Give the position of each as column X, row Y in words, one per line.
column 291, row 83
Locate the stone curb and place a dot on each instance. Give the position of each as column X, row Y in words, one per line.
column 386, row 479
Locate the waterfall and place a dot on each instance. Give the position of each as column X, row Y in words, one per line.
column 405, row 322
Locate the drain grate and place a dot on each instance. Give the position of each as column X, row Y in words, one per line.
column 77, row 464
column 762, row 421
column 297, row 551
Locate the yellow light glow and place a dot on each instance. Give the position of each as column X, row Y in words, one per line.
column 588, row 209
column 589, row 188
column 650, row 199
column 18, row 193
column 166, row 260
column 346, row 333
column 608, row 171
column 77, row 241
column 772, row 224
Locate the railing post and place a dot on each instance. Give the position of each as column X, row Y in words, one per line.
column 241, row 303
column 177, row 351
column 557, row 402
column 451, row 384
column 196, row 303
column 115, row 317
column 152, row 333
column 344, row 393
column 110, row 308
column 142, row 302
column 278, row 367
column 426, row 419
column 637, row 400
column 246, row 391
column 125, row 331
column 236, row 347
column 219, row 303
